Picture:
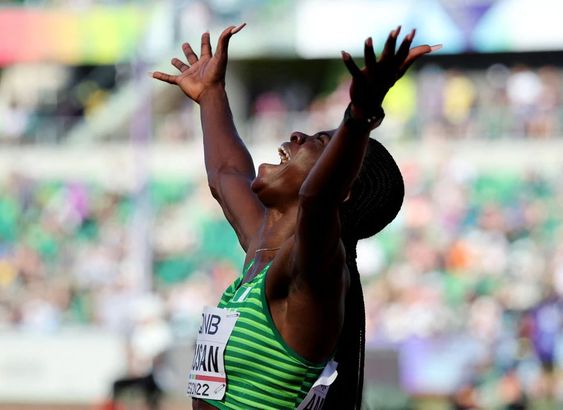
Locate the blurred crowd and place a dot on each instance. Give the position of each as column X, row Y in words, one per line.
column 437, row 103
column 433, row 103
column 475, row 259
column 472, row 255
column 69, row 256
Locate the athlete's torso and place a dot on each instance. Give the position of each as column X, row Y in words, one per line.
column 262, row 371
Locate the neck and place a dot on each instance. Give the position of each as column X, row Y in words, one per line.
column 276, row 229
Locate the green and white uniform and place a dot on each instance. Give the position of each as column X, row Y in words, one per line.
column 262, row 371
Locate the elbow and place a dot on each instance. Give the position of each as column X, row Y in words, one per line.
column 317, row 203
column 323, row 198
column 213, row 184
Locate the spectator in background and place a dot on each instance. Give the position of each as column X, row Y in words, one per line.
column 524, row 90
column 459, row 102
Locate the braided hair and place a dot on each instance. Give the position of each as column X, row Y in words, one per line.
column 375, row 199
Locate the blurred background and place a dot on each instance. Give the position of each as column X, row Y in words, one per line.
column 110, row 242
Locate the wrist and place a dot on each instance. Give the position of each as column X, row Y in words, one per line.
column 359, row 119
column 211, row 92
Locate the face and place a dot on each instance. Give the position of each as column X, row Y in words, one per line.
column 297, row 157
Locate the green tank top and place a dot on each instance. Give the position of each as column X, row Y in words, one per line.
column 262, row 371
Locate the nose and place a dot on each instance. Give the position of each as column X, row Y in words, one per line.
column 297, row 137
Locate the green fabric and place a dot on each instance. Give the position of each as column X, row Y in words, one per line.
column 262, row 371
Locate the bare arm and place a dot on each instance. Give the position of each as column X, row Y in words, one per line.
column 230, row 169
column 229, row 166
column 331, row 179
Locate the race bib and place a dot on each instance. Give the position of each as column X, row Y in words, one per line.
column 317, row 395
column 207, row 378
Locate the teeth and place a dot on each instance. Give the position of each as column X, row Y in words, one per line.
column 284, row 155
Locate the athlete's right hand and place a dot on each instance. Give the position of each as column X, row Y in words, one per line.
column 203, row 72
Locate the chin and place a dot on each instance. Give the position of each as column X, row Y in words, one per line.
column 255, row 185
column 259, row 187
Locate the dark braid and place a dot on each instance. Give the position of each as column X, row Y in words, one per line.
column 375, row 200
column 346, row 391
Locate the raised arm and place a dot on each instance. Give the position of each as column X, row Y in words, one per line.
column 228, row 163
column 331, row 179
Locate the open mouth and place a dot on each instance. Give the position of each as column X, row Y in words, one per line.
column 284, row 153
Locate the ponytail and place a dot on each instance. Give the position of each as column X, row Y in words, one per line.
column 346, row 392
column 375, row 199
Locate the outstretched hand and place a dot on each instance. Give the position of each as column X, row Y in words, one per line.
column 371, row 83
column 204, row 72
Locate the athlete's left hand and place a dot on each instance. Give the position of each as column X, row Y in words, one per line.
column 371, row 83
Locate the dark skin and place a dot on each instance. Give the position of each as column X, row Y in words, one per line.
column 291, row 209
